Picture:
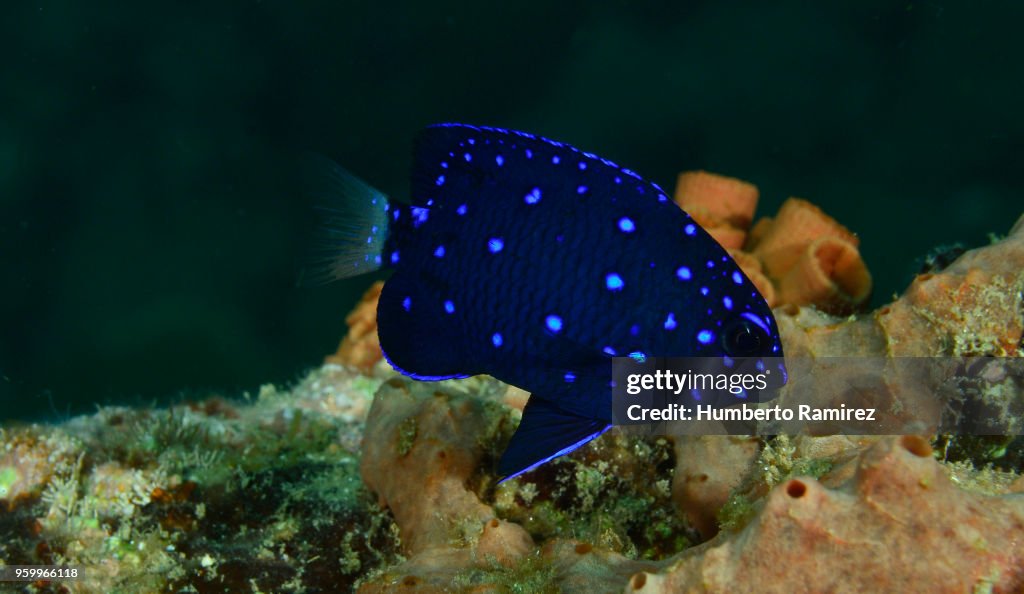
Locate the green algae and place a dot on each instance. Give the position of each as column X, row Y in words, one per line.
column 613, row 493
column 529, row 575
column 737, row 512
column 776, row 463
column 406, row 435
column 258, row 496
column 1004, row 452
column 987, row 480
column 8, row 477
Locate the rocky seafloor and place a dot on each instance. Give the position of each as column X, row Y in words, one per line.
column 359, row 478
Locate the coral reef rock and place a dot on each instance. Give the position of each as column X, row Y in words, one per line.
column 708, row 469
column 922, row 342
column 357, row 478
column 972, row 307
column 426, row 444
column 898, row 525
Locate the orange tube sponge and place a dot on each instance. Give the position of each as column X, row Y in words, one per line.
column 361, row 348
column 757, row 232
column 728, row 237
column 830, row 274
column 747, row 263
column 751, row 267
column 727, row 200
column 723, row 206
column 797, row 224
column 779, row 255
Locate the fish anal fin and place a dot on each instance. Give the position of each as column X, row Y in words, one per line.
column 545, row 433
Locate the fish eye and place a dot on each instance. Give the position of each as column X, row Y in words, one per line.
column 742, row 338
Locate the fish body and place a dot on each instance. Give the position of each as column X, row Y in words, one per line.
column 534, row 262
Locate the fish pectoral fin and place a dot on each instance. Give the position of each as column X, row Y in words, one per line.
column 546, row 432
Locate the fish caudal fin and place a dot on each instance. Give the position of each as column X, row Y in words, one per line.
column 545, row 433
column 353, row 228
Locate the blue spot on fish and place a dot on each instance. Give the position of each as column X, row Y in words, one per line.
column 613, row 282
column 419, row 215
column 626, row 225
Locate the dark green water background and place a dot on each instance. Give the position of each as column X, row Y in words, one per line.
column 150, row 223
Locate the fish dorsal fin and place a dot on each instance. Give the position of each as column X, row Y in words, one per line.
column 459, row 161
column 546, row 432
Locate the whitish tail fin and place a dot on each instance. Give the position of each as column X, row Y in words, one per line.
column 353, row 227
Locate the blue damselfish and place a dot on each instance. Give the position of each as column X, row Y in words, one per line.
column 537, row 263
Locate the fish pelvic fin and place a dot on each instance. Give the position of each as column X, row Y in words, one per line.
column 353, row 223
